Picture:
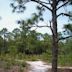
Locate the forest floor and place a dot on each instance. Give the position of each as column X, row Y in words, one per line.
column 35, row 66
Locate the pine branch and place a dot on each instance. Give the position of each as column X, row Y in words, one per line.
column 65, row 37
column 42, row 5
column 58, row 2
column 43, row 26
column 39, row 26
column 62, row 5
column 64, row 14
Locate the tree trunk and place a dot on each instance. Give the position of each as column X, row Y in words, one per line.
column 4, row 48
column 55, row 38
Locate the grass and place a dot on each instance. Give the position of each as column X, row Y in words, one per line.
column 65, row 60
column 7, row 61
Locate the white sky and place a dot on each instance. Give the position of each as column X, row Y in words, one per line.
column 9, row 19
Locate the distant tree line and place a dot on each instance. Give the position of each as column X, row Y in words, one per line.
column 24, row 40
column 27, row 41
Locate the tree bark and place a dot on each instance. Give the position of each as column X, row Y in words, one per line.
column 55, row 37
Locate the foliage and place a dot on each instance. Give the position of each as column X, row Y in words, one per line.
column 68, row 28
column 26, row 42
column 36, row 49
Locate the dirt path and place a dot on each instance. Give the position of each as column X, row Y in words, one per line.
column 40, row 66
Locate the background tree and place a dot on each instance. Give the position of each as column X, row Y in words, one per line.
column 53, row 6
column 3, row 33
column 16, row 33
column 1, row 44
column 47, row 42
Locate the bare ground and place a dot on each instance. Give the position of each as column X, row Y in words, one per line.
column 16, row 69
column 62, row 70
column 27, row 68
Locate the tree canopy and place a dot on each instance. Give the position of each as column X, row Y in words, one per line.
column 53, row 6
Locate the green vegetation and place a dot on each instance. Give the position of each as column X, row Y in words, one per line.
column 24, row 44
column 18, row 46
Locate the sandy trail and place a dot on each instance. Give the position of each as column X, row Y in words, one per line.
column 38, row 66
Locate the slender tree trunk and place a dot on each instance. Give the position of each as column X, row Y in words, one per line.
column 55, row 38
column 4, row 48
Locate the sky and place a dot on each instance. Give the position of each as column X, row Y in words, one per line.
column 9, row 19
